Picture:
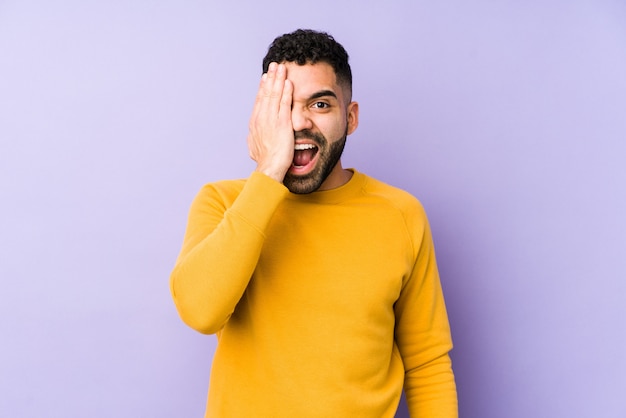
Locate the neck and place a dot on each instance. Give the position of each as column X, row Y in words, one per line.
column 337, row 178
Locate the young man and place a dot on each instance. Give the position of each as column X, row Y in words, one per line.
column 320, row 282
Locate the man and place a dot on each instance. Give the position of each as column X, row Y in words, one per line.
column 320, row 282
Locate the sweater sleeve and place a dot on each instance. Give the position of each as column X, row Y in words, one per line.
column 220, row 250
column 423, row 334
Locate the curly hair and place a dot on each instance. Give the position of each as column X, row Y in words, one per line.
column 305, row 46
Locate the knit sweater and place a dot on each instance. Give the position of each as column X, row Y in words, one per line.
column 324, row 305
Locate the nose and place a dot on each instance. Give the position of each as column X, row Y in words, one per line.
column 300, row 119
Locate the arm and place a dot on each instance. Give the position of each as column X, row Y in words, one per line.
column 423, row 335
column 221, row 248
column 225, row 231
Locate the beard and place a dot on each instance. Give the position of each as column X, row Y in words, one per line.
column 328, row 157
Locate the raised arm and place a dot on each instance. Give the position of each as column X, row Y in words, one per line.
column 227, row 222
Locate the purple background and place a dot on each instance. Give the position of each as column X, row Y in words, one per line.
column 507, row 119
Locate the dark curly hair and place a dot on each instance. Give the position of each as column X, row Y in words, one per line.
column 305, row 46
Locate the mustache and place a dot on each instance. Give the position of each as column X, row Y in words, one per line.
column 318, row 138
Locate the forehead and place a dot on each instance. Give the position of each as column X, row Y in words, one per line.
column 309, row 79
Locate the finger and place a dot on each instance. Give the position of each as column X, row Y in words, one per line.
column 265, row 88
column 259, row 98
column 276, row 84
column 270, row 90
column 268, row 81
column 284, row 111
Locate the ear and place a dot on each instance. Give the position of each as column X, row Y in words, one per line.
column 353, row 117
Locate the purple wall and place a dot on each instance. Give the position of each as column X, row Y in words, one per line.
column 507, row 119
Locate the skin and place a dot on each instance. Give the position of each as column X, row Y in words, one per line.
column 293, row 100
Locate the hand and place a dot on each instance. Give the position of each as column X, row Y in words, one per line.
column 271, row 139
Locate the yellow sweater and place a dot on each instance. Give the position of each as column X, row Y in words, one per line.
column 324, row 304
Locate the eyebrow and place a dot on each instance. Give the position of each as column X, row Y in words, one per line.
column 323, row 93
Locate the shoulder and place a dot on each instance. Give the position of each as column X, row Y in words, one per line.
column 395, row 197
column 221, row 193
column 402, row 206
column 258, row 189
column 224, row 187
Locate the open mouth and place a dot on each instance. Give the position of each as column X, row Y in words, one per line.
column 303, row 157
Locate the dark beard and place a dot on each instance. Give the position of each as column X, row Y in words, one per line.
column 328, row 158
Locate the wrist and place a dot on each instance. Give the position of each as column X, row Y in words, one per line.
column 275, row 173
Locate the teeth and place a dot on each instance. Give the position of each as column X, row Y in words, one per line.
column 300, row 147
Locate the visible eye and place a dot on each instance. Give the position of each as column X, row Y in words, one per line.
column 321, row 105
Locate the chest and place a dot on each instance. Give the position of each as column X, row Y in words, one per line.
column 335, row 257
